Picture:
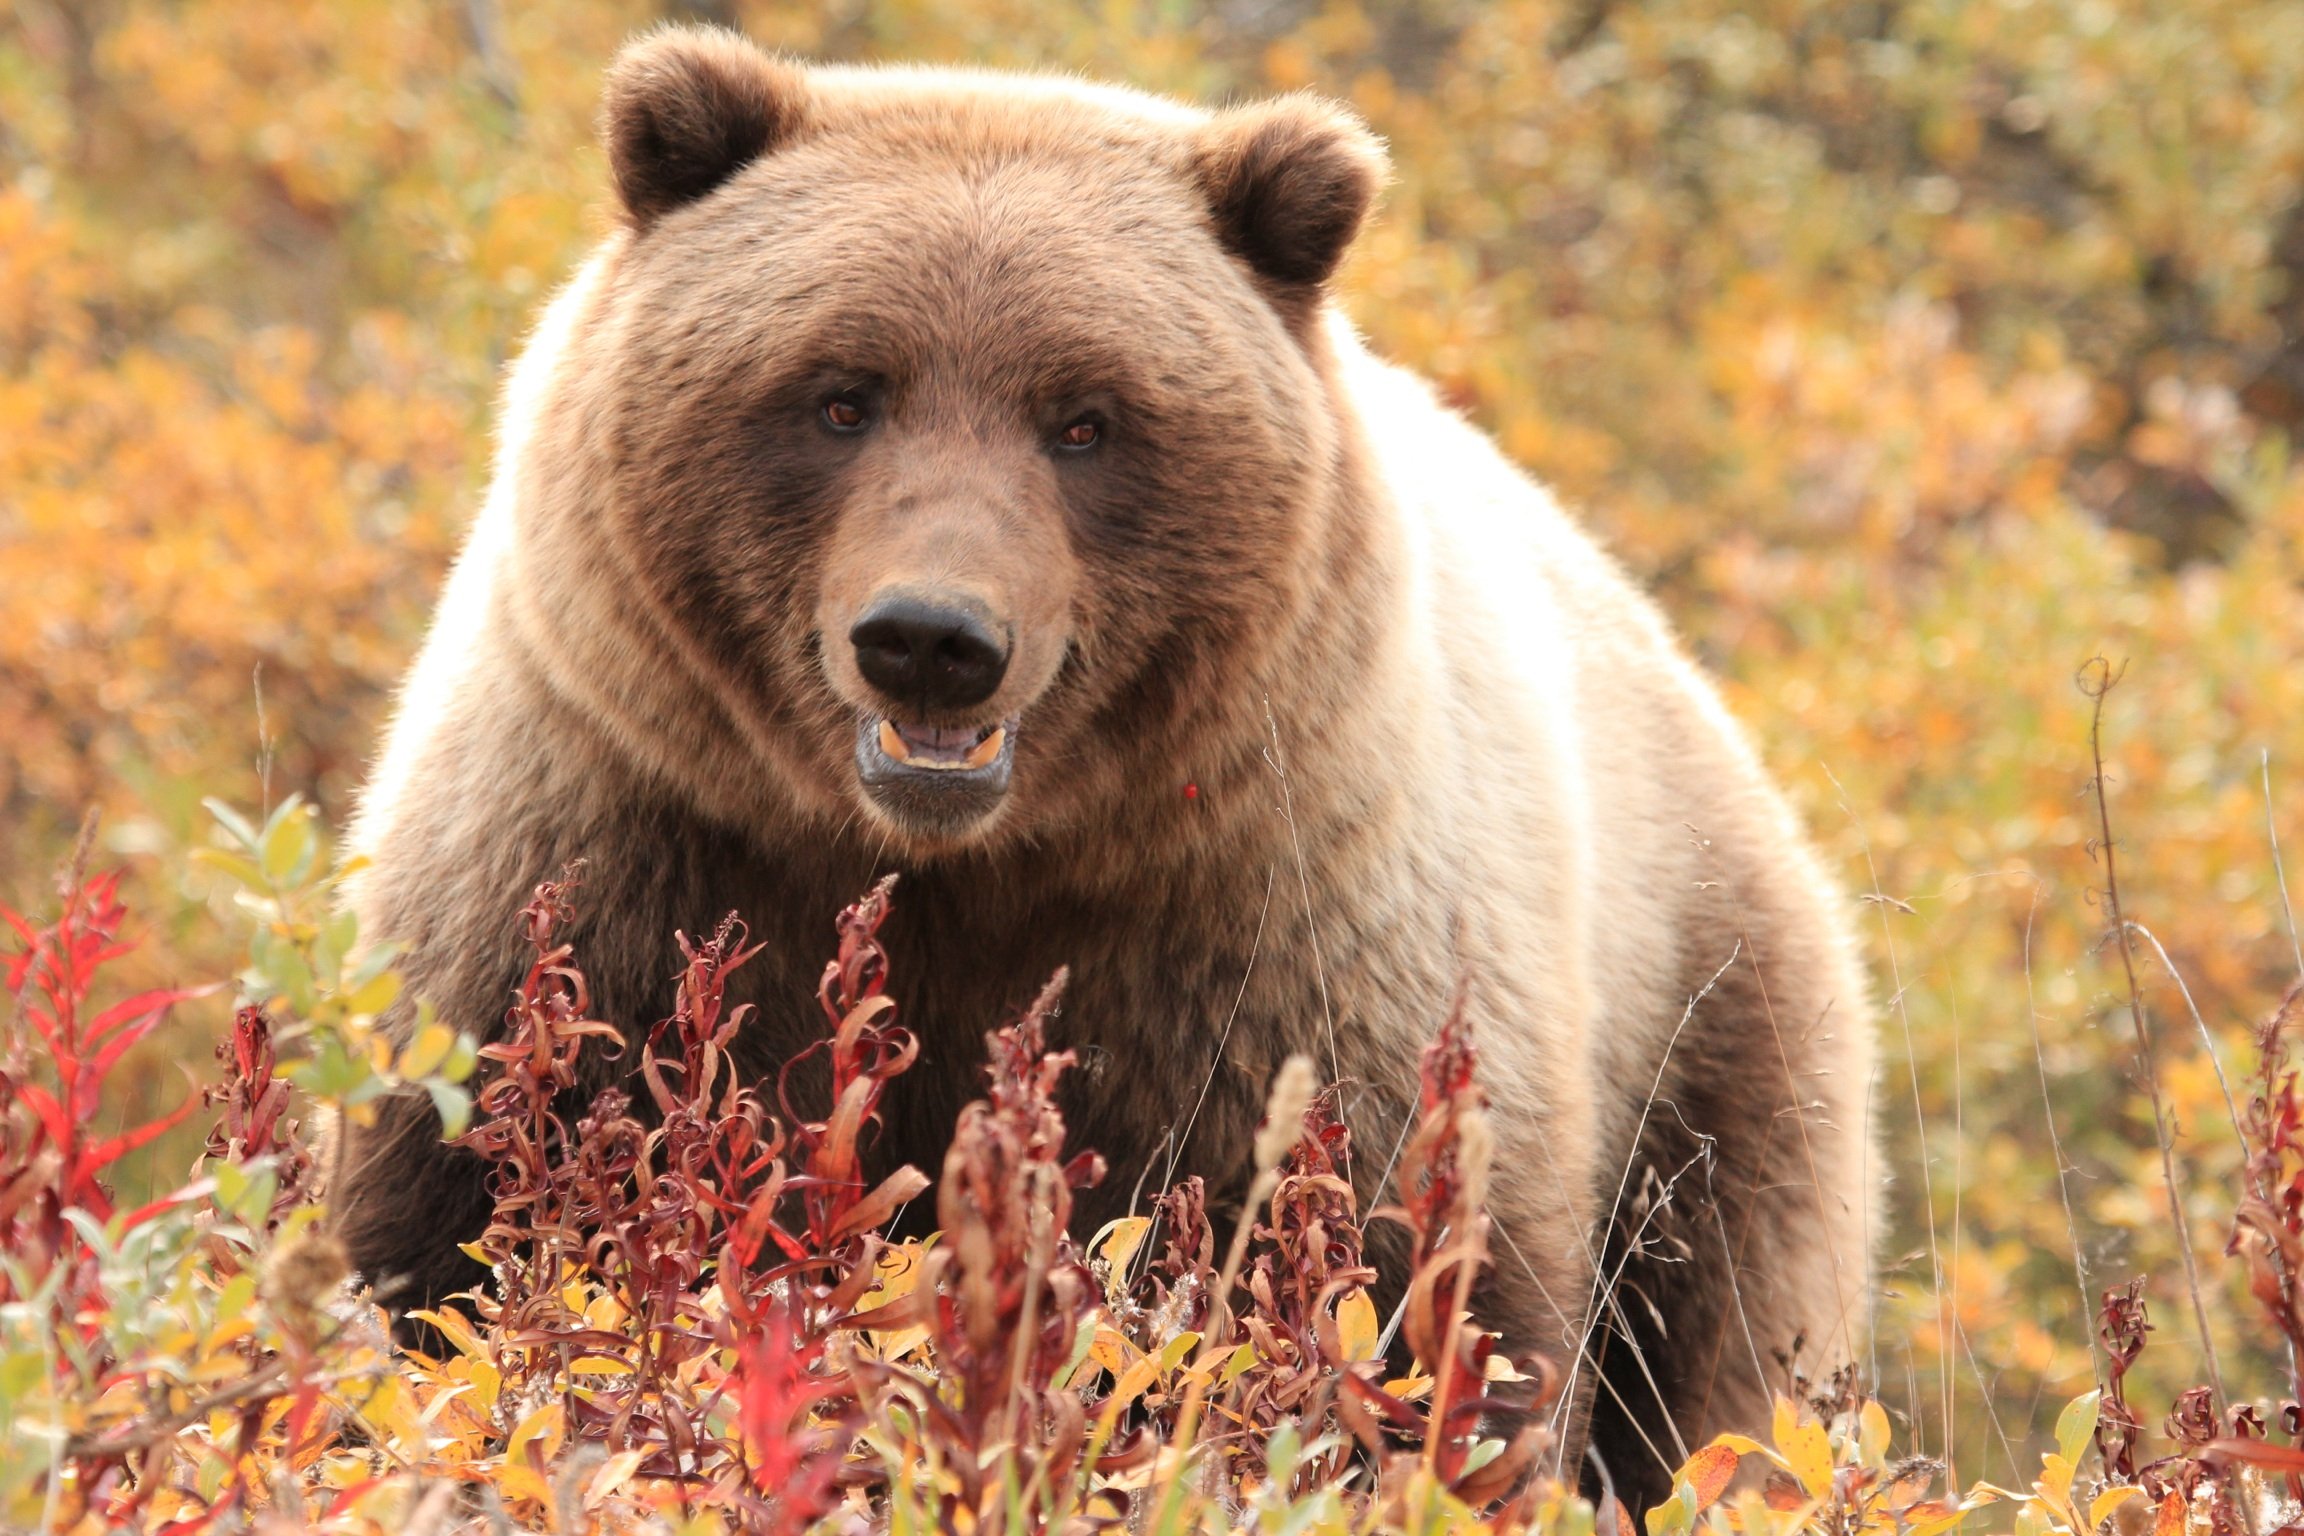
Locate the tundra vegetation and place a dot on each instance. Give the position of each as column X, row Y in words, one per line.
column 1916, row 355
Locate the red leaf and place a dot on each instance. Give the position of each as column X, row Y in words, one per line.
column 2261, row 1453
column 113, row 1148
column 145, row 1009
column 52, row 1117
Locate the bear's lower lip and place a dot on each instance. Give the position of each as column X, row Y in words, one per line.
column 938, row 778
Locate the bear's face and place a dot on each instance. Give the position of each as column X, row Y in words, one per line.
column 964, row 430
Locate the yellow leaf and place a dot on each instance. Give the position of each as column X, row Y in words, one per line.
column 895, row 1275
column 344, row 1471
column 896, row 1343
column 455, row 1330
column 614, row 1473
column 1112, row 1350
column 517, row 1480
column 1937, row 1526
column 2055, row 1483
column 379, row 993
column 1808, row 1451
column 1872, row 1434
column 1134, row 1381
column 1745, row 1445
column 1944, row 1516
column 2100, row 1509
column 542, row 1428
column 1785, row 1420
column 1116, row 1243
column 389, row 1409
column 1357, row 1325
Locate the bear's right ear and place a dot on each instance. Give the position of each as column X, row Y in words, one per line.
column 686, row 108
column 1289, row 183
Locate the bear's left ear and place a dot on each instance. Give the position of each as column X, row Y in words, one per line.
column 685, row 108
column 1289, row 183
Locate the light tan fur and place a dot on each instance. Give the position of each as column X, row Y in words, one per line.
column 1439, row 744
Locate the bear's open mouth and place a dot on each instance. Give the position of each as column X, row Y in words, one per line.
column 939, row 777
column 945, row 749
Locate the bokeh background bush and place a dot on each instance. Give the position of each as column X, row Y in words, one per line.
column 1914, row 352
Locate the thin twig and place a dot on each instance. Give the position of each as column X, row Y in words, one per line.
column 2247, row 1163
column 1881, row 900
column 2272, row 830
column 2207, row 1041
column 1273, row 759
column 1224, row 1039
column 2097, row 679
column 1596, row 1300
column 2056, row 1142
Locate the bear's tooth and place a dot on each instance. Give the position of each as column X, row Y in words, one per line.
column 892, row 742
column 988, row 748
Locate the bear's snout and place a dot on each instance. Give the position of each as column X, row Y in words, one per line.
column 929, row 650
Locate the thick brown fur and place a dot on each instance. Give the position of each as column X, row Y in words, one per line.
column 1439, row 746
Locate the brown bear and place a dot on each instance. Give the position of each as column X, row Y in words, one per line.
column 967, row 475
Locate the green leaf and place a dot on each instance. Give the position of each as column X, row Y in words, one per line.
column 454, row 1105
column 288, row 845
column 291, row 975
column 255, row 1202
column 233, row 823
column 1280, row 1454
column 234, row 867
column 1083, row 1337
column 20, row 1372
column 374, row 995
column 337, row 936
column 373, row 961
column 330, row 1072
column 231, row 1185
column 1676, row 1514
column 2076, row 1425
column 462, row 1057
column 238, row 1294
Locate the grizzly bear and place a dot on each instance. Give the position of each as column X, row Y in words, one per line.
column 968, row 475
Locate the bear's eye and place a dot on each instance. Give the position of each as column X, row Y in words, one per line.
column 1080, row 434
column 844, row 413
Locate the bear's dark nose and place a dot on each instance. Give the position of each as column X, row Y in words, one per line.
column 925, row 652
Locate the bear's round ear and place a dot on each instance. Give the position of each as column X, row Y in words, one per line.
column 1289, row 182
column 685, row 108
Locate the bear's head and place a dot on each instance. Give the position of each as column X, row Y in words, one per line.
column 969, row 437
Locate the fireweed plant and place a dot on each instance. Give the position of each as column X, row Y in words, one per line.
column 696, row 1319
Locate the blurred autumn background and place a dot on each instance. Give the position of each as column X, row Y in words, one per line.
column 1914, row 352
